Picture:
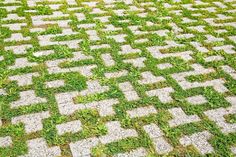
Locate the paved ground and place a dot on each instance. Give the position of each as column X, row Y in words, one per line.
column 117, row 78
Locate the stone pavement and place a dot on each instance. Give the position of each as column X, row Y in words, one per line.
column 121, row 78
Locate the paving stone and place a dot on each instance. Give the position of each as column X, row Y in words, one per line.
column 1, row 58
column 156, row 53
column 95, row 47
column 127, row 49
column 25, row 79
column 120, row 38
column 116, row 74
column 27, row 98
column 128, row 91
column 55, row 84
column 149, row 78
column 213, row 58
column 43, row 53
column 229, row 49
column 164, row 66
column 38, row 148
column 13, row 16
column 115, row 133
column 218, row 116
column 216, row 84
column 233, row 149
column 5, row 141
column 110, row 27
column 107, row 59
column 67, row 106
column 139, row 152
column 69, row 127
column 54, row 68
column 199, row 141
column 163, row 94
column 185, row 36
column 3, row 92
column 93, row 87
column 103, row 19
column 142, row 111
column 160, row 144
column 83, row 147
column 198, row 28
column 77, row 76
column 211, row 38
column 219, row 4
column 104, row 107
column 141, row 41
column 137, row 62
column 19, row 49
column 232, row 38
column 199, row 47
column 180, row 118
column 92, row 35
column 221, row 31
column 196, row 100
column 229, row 70
column 22, row 63
column 32, row 122
column 16, row 37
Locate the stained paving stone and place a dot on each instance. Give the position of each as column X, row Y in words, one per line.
column 117, row 78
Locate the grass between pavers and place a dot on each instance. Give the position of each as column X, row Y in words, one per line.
column 93, row 124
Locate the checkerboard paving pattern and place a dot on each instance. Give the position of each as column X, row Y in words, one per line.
column 122, row 78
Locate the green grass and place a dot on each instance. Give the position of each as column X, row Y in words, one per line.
column 93, row 123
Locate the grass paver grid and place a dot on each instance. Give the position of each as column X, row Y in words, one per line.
column 125, row 78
